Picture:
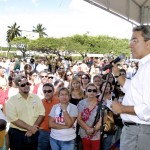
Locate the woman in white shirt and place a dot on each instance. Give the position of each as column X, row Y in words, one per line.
column 62, row 122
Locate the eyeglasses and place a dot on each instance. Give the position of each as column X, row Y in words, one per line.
column 43, row 76
column 85, row 78
column 69, row 74
column 34, row 75
column 23, row 85
column 92, row 90
column 61, row 68
column 50, row 77
column 47, row 91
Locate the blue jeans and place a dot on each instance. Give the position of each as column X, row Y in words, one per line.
column 107, row 142
column 43, row 140
column 62, row 145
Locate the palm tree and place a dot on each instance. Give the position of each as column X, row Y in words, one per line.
column 12, row 32
column 39, row 29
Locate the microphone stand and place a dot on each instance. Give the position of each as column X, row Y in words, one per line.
column 101, row 111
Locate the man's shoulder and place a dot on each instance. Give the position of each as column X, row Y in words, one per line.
column 55, row 101
column 13, row 100
column 14, row 97
column 32, row 95
column 18, row 96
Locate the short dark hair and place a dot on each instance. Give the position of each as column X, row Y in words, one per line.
column 123, row 70
column 18, row 78
column 3, row 124
column 107, row 84
column 32, row 60
column 49, row 84
column 97, row 76
column 145, row 29
column 32, row 72
column 58, row 81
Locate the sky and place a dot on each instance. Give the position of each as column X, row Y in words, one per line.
column 61, row 18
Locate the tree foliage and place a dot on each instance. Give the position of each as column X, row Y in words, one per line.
column 45, row 45
column 21, row 43
column 12, row 32
column 40, row 30
column 81, row 44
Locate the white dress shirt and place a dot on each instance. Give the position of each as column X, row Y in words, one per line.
column 137, row 94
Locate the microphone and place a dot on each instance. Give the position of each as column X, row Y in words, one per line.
column 109, row 66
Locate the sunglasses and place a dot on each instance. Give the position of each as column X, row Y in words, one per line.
column 23, row 85
column 47, row 91
column 92, row 90
column 61, row 68
column 84, row 78
column 43, row 76
column 50, row 77
column 69, row 74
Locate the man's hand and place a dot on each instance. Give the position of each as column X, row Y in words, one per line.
column 33, row 129
column 28, row 133
column 115, row 69
column 116, row 107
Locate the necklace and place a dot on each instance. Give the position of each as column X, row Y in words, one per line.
column 90, row 105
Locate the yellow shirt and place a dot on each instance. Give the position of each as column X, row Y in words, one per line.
column 27, row 110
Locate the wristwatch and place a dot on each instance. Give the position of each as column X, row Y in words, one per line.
column 118, row 75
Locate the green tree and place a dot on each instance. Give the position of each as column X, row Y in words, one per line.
column 40, row 30
column 45, row 45
column 21, row 43
column 12, row 32
column 81, row 44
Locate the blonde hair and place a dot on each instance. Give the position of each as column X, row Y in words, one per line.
column 78, row 80
column 91, row 84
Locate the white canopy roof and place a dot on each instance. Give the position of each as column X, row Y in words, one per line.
column 134, row 11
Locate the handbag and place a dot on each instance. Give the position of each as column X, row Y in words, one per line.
column 110, row 122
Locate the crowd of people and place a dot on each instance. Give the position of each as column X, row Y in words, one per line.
column 44, row 108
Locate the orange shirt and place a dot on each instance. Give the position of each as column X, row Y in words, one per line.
column 48, row 107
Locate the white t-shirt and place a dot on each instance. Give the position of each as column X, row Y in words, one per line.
column 63, row 134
